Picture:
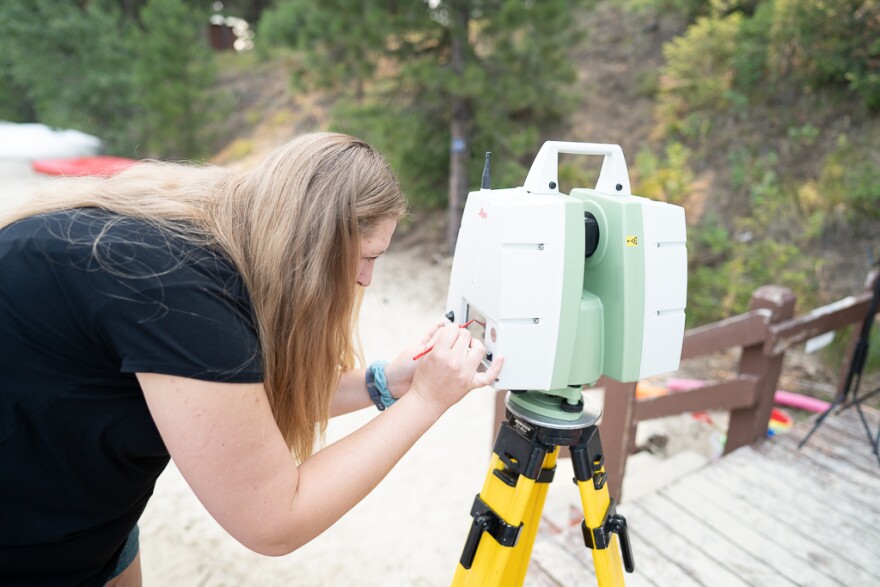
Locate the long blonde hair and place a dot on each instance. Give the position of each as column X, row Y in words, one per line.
column 292, row 227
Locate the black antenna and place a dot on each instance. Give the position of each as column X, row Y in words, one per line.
column 487, row 180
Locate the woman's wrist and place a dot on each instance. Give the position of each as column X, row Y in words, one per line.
column 377, row 385
column 398, row 381
column 429, row 405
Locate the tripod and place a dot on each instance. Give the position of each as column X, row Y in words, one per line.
column 850, row 394
column 508, row 509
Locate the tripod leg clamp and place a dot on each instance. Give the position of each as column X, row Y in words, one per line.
column 588, row 460
column 520, row 454
column 487, row 521
column 600, row 538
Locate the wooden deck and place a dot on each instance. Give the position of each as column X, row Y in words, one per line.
column 763, row 515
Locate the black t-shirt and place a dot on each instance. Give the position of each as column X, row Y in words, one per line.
column 88, row 299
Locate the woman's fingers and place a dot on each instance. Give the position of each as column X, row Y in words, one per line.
column 476, row 353
column 430, row 340
column 452, row 338
column 475, row 357
column 490, row 375
column 431, row 332
column 462, row 340
column 450, row 370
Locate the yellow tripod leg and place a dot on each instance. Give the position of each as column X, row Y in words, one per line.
column 506, row 514
column 603, row 529
column 609, row 570
column 518, row 565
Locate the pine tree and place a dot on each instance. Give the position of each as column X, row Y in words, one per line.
column 70, row 65
column 174, row 74
column 435, row 84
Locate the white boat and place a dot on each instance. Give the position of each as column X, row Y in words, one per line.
column 30, row 141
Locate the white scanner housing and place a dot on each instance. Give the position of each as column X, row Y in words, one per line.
column 559, row 317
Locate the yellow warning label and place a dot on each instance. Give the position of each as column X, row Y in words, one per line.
column 632, row 241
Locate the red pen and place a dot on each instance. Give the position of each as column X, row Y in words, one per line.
column 430, row 348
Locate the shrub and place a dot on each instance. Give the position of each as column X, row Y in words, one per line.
column 829, row 42
column 850, row 180
column 697, row 81
column 724, row 273
column 668, row 178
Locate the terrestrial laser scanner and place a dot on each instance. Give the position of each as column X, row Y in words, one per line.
column 571, row 287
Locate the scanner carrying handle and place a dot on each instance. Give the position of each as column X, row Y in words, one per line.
column 613, row 178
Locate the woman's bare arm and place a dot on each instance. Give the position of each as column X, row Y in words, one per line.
column 351, row 394
column 226, row 444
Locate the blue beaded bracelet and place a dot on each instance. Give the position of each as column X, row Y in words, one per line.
column 377, row 385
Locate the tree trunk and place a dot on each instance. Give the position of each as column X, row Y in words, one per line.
column 460, row 123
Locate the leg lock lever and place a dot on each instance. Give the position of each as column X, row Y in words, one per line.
column 600, row 538
column 487, row 521
column 588, row 460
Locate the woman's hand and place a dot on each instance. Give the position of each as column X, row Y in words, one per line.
column 449, row 371
column 224, row 439
column 399, row 372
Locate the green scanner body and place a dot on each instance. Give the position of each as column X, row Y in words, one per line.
column 571, row 287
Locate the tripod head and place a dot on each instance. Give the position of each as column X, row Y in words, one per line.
column 570, row 287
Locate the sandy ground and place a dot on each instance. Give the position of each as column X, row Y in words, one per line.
column 411, row 529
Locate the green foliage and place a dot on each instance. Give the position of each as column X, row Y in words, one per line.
column 777, row 205
column 742, row 48
column 761, row 245
column 573, row 174
column 698, row 80
column 145, row 91
column 834, row 353
column 665, row 178
column 803, row 136
column 173, row 76
column 830, row 42
column 744, row 59
column 724, row 273
column 709, row 247
column 745, row 52
column 689, row 10
column 715, row 68
column 72, row 65
column 394, row 67
column 337, row 42
column 768, row 205
column 14, row 106
column 417, row 147
column 749, row 61
column 780, row 218
column 850, row 180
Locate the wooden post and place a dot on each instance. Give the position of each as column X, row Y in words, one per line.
column 617, row 430
column 750, row 424
column 500, row 413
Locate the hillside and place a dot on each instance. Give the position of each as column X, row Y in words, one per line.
column 618, row 71
column 617, row 84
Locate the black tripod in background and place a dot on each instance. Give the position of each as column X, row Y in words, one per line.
column 850, row 395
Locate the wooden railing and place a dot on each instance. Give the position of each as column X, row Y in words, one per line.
column 763, row 334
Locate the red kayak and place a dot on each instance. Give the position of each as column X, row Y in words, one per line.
column 103, row 166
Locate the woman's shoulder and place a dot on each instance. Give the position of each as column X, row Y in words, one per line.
column 123, row 245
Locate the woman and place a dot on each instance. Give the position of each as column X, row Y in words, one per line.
column 207, row 315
